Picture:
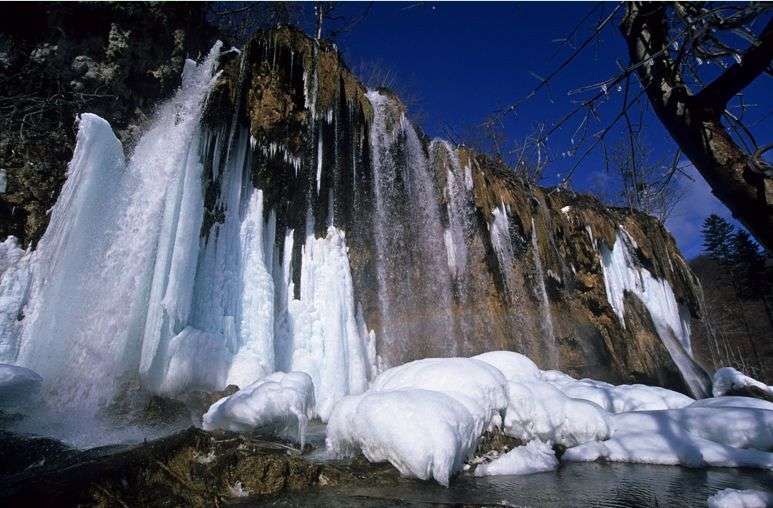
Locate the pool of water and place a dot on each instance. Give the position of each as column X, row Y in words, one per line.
column 573, row 485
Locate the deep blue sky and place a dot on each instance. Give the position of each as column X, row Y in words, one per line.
column 463, row 61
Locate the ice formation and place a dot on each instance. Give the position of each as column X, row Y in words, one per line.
column 125, row 284
column 672, row 321
column 424, row 434
column 534, row 457
column 14, row 285
column 280, row 404
column 727, row 379
column 732, row 498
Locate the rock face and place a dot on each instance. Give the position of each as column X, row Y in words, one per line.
column 57, row 61
column 448, row 252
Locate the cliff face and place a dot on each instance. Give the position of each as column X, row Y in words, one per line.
column 314, row 188
column 450, row 254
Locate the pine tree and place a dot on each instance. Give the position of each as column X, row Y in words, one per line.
column 748, row 267
column 718, row 239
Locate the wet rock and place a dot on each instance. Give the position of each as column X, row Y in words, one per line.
column 191, row 468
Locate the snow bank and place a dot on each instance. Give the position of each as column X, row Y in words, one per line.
column 538, row 410
column 424, row 434
column 732, row 498
column 733, row 401
column 672, row 447
column 478, row 386
column 17, row 383
column 732, row 426
column 534, row 457
column 621, row 398
column 275, row 405
column 514, row 366
column 727, row 380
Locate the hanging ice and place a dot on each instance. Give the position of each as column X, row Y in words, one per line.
column 14, row 284
column 672, row 321
column 321, row 327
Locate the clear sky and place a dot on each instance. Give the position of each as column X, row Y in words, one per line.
column 463, row 61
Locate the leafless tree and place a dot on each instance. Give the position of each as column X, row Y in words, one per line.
column 665, row 42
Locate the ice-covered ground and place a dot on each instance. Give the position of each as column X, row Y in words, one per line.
column 427, row 416
column 280, row 404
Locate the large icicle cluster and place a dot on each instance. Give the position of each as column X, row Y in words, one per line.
column 125, row 284
column 426, row 418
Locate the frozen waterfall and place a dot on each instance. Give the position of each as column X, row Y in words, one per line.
column 671, row 320
column 127, row 282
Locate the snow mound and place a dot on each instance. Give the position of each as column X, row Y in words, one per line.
column 621, row 398
column 732, row 498
column 424, row 434
column 538, row 410
column 732, row 426
column 478, row 386
column 727, row 380
column 535, row 457
column 17, row 383
column 276, row 405
column 669, row 447
column 733, row 401
column 514, row 366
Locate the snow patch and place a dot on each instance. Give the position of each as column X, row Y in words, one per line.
column 534, row 457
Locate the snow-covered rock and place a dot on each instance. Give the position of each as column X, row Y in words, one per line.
column 538, row 410
column 732, row 498
column 621, row 398
column 728, row 380
column 535, row 457
column 478, row 386
column 17, row 383
column 514, row 366
column 424, row 434
column 277, row 404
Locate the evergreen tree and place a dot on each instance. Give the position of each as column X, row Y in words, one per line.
column 718, row 239
column 748, row 267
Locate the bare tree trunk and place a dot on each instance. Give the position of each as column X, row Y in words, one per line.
column 694, row 120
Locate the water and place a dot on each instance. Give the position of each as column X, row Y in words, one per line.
column 546, row 319
column 573, row 485
column 414, row 279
